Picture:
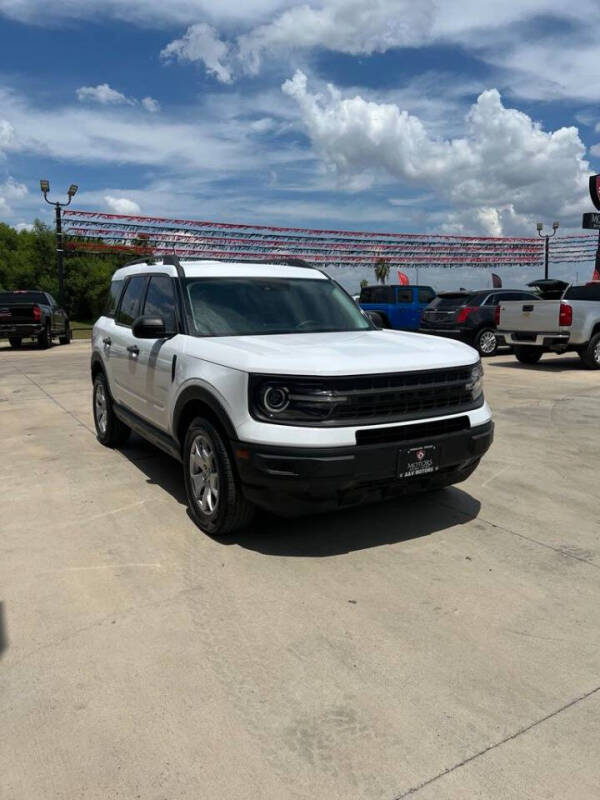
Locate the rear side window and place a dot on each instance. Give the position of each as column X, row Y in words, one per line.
column 112, row 301
column 377, row 294
column 404, row 296
column 426, row 294
column 132, row 300
column 160, row 301
column 589, row 292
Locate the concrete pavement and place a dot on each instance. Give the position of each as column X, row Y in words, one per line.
column 442, row 646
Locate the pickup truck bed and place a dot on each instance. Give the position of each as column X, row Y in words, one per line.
column 572, row 323
column 32, row 315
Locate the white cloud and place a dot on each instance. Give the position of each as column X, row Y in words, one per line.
column 503, row 170
column 201, row 43
column 24, row 226
column 103, row 94
column 10, row 192
column 346, row 26
column 7, row 134
column 122, row 205
column 150, row 104
column 156, row 13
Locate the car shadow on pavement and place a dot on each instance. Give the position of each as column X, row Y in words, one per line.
column 321, row 535
column 359, row 527
column 567, row 364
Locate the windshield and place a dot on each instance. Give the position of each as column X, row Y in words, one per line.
column 22, row 297
column 249, row 306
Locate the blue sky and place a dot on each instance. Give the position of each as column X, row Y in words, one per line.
column 462, row 116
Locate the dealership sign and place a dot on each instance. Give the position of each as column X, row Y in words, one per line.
column 591, row 220
column 595, row 190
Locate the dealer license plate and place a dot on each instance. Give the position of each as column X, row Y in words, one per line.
column 418, row 461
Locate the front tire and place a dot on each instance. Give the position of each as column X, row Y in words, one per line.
column 486, row 343
column 215, row 499
column 110, row 431
column 66, row 338
column 528, row 355
column 590, row 354
column 14, row 341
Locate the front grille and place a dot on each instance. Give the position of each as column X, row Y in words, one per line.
column 419, row 432
column 369, row 399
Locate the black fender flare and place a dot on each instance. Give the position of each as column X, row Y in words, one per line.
column 201, row 394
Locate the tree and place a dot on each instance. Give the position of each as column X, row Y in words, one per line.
column 364, row 283
column 382, row 270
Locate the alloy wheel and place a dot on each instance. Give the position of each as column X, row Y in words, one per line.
column 204, row 474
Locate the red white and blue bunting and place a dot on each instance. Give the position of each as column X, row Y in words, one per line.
column 98, row 232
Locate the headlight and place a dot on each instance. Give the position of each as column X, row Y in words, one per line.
column 292, row 400
column 475, row 384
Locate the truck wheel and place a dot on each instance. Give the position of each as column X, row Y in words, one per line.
column 110, row 431
column 528, row 355
column 66, row 339
column 14, row 341
column 590, row 354
column 44, row 340
column 486, row 343
column 215, row 499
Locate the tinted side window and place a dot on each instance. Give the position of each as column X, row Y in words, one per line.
column 426, row 294
column 160, row 301
column 132, row 300
column 112, row 300
column 404, row 295
column 383, row 294
column 589, row 292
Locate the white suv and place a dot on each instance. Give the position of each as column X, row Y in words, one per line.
column 275, row 390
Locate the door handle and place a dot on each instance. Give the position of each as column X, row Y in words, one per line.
column 133, row 349
column 107, row 341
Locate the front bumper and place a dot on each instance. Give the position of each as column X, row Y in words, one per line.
column 292, row 481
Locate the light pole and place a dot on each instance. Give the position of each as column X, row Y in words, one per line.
column 547, row 237
column 71, row 192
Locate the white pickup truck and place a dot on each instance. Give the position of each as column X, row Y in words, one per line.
column 540, row 326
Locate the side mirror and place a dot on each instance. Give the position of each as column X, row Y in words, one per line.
column 375, row 318
column 149, row 328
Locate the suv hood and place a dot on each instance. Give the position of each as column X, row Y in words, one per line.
column 341, row 353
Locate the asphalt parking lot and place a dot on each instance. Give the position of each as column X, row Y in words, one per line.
column 442, row 646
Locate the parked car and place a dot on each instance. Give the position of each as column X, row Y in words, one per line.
column 31, row 314
column 274, row 390
column 398, row 307
column 541, row 326
column 469, row 316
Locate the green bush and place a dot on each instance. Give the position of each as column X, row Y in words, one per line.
column 28, row 261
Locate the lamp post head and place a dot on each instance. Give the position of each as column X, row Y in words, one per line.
column 45, row 186
column 555, row 225
column 72, row 190
column 540, row 227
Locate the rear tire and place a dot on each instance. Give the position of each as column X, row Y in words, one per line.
column 215, row 498
column 44, row 340
column 590, row 354
column 528, row 355
column 486, row 343
column 110, row 431
column 66, row 339
column 15, row 341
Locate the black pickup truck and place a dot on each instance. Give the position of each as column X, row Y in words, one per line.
column 32, row 314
